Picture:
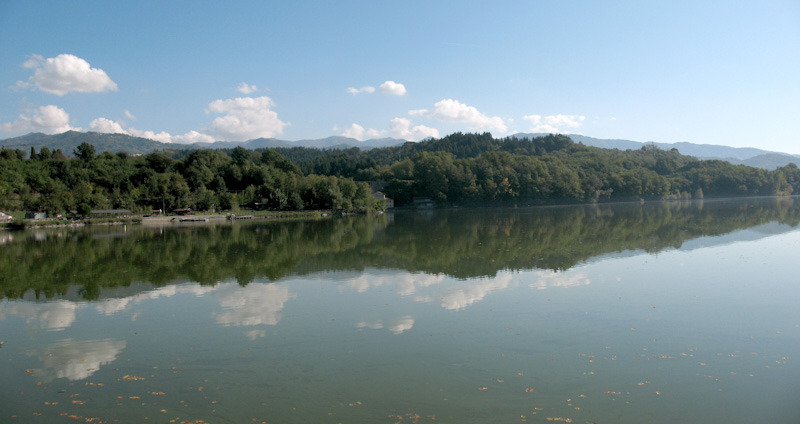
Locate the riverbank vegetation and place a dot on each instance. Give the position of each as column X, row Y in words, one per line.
column 458, row 169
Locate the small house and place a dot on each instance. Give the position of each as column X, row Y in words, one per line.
column 424, row 203
column 379, row 195
column 35, row 215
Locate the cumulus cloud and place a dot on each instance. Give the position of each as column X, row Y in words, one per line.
column 388, row 87
column 48, row 119
column 449, row 110
column 354, row 131
column 104, row 125
column 358, row 132
column 401, row 128
column 366, row 89
column 245, row 118
column 192, row 137
column 163, row 136
column 246, row 88
column 554, row 123
column 393, row 88
column 64, row 74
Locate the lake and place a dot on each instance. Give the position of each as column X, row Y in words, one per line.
column 627, row 313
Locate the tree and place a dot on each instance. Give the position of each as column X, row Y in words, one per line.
column 85, row 152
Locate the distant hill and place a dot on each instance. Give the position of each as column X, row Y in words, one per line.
column 70, row 140
column 736, row 155
column 114, row 143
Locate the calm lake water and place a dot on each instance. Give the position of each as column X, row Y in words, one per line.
column 629, row 313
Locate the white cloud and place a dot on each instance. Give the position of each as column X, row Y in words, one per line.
column 401, row 128
column 554, row 123
column 192, row 137
column 394, row 88
column 48, row 119
column 163, row 136
column 245, row 118
column 130, row 115
column 358, row 132
column 373, row 133
column 354, row 131
column 366, row 89
column 246, row 88
column 104, row 125
column 449, row 110
column 66, row 73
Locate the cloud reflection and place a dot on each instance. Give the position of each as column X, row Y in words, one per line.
column 560, row 279
column 51, row 316
column 114, row 305
column 77, row 360
column 463, row 296
column 401, row 325
column 255, row 304
column 405, row 284
column 396, row 326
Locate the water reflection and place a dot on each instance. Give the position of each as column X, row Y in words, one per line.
column 111, row 306
column 461, row 244
column 255, row 304
column 51, row 316
column 546, row 279
column 464, row 295
column 75, row 360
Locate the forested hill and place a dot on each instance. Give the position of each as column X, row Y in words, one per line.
column 459, row 169
column 467, row 168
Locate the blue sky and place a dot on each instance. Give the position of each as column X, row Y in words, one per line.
column 700, row 71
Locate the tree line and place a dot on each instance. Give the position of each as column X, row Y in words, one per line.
column 478, row 168
column 457, row 169
column 201, row 180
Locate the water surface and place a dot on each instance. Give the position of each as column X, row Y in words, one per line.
column 656, row 312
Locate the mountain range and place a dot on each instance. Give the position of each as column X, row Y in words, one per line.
column 103, row 142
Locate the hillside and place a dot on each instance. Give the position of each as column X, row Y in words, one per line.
column 68, row 141
column 737, row 155
column 114, row 143
column 459, row 169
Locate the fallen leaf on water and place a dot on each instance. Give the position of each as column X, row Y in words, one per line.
column 529, row 390
column 482, row 388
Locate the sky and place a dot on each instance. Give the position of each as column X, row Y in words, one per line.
column 706, row 72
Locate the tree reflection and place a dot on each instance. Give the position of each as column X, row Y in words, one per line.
column 463, row 243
